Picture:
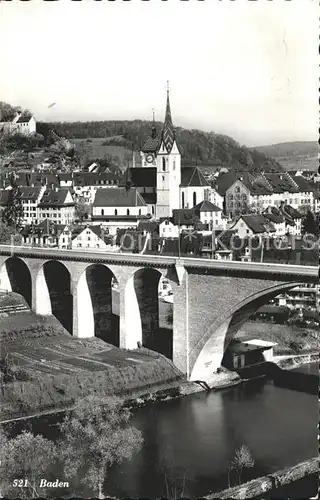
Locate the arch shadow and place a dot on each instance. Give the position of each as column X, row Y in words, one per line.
column 16, row 277
column 155, row 315
column 58, row 282
column 102, row 285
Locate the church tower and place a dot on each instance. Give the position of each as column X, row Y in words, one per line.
column 168, row 163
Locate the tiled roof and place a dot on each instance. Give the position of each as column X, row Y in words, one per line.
column 64, row 176
column 147, row 225
column 225, row 180
column 140, row 177
column 4, row 197
column 280, row 182
column 274, row 215
column 24, row 119
column 79, row 229
column 292, row 212
column 263, row 184
column 151, row 145
column 95, row 179
column 184, row 217
column 303, row 185
column 168, row 135
column 118, row 197
column 258, row 223
column 192, row 176
column 44, row 228
column 52, row 198
column 29, row 193
column 149, row 198
column 206, row 206
column 36, row 179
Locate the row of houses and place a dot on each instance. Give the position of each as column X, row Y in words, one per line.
column 122, row 208
column 41, row 203
column 245, row 191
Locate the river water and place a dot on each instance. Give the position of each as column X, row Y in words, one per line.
column 195, row 437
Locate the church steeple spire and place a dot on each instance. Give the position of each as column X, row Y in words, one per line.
column 168, row 130
column 153, row 130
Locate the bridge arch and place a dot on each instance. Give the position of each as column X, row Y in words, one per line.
column 207, row 354
column 15, row 276
column 148, row 320
column 98, row 304
column 54, row 292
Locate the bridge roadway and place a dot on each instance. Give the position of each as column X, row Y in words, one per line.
column 159, row 261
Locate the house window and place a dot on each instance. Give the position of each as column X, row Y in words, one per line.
column 237, row 190
column 182, row 200
column 152, row 209
column 174, row 164
column 139, row 211
column 128, row 211
column 115, row 211
column 163, row 164
column 163, row 177
column 102, row 211
column 194, row 198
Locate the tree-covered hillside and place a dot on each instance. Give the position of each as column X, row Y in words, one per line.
column 206, row 148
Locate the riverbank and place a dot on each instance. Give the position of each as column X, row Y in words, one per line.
column 149, row 393
column 294, row 361
column 273, row 484
column 196, row 437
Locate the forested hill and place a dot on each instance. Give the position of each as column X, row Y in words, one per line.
column 205, row 148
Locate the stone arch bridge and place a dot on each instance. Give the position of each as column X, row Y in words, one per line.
column 212, row 299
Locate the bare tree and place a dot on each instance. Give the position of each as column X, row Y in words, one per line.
column 242, row 460
column 95, row 436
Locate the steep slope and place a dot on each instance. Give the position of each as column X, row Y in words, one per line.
column 195, row 145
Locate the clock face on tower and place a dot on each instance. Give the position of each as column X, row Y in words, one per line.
column 149, row 158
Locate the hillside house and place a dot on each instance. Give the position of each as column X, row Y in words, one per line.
column 92, row 237
column 209, row 214
column 47, row 234
column 57, row 205
column 86, row 184
column 20, row 124
column 253, row 225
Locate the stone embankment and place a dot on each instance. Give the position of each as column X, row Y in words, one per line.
column 290, row 362
column 270, row 483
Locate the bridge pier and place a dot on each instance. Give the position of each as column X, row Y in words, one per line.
column 41, row 303
column 83, row 319
column 5, row 283
column 129, row 314
column 180, row 348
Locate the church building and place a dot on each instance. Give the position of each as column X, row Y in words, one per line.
column 159, row 180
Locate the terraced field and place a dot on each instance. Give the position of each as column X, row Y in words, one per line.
column 54, row 369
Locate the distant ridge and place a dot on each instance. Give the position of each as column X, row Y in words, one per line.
column 294, row 155
column 197, row 147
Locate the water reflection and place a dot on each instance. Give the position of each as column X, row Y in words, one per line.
column 195, row 437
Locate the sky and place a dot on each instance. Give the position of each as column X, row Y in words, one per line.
column 247, row 69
